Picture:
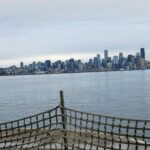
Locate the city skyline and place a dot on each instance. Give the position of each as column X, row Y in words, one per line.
column 83, row 56
column 36, row 29
column 97, row 63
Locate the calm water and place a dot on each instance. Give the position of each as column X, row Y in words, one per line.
column 124, row 94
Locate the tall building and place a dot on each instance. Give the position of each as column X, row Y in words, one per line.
column 142, row 52
column 115, row 60
column 71, row 64
column 138, row 59
column 47, row 64
column 98, row 56
column 90, row 62
column 34, row 66
column 129, row 57
column 21, row 65
column 121, row 61
column 120, row 56
column 106, row 55
column 40, row 65
column 98, row 60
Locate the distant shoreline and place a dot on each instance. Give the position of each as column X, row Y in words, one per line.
column 32, row 74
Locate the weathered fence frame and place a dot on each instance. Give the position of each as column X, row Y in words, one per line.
column 62, row 105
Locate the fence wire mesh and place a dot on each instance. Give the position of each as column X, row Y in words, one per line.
column 94, row 132
column 72, row 129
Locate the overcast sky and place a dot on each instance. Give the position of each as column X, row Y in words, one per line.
column 58, row 29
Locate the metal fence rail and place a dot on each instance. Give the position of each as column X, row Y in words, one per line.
column 63, row 128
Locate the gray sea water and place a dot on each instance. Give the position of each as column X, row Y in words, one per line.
column 122, row 94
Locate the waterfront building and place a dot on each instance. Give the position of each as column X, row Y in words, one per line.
column 106, row 55
column 47, row 64
column 109, row 66
column 90, row 62
column 21, row 65
column 76, row 63
column 120, row 57
column 95, row 62
column 121, row 60
column 33, row 65
column 98, row 60
column 36, row 67
column 98, row 63
column 142, row 63
column 115, row 62
column 109, row 60
column 105, row 60
column 103, row 63
column 40, row 65
column 129, row 58
column 71, row 64
column 138, row 60
column 142, row 52
column 142, row 60
column 2, row 71
column 30, row 69
column 125, row 62
column 80, row 66
column 98, row 56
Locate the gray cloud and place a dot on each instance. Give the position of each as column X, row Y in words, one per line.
column 30, row 28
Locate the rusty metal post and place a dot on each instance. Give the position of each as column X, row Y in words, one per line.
column 63, row 118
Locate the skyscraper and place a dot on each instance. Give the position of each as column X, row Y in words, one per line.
column 142, row 51
column 98, row 60
column 120, row 56
column 138, row 59
column 121, row 60
column 21, row 65
column 106, row 55
column 47, row 64
column 115, row 60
